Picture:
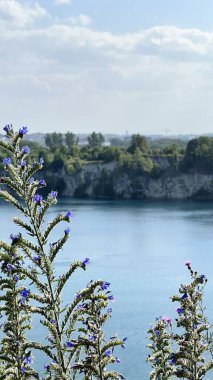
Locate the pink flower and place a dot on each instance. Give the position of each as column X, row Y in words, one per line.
column 187, row 263
column 166, row 319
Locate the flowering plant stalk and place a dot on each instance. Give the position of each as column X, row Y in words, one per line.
column 161, row 358
column 30, row 285
column 183, row 355
column 14, row 352
column 193, row 344
column 99, row 352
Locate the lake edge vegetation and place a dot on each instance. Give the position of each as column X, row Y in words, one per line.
column 125, row 159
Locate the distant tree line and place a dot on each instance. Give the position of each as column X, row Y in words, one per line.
column 134, row 156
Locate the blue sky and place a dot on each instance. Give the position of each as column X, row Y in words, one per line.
column 120, row 16
column 107, row 65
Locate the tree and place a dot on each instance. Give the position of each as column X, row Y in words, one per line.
column 140, row 142
column 199, row 153
column 95, row 140
column 71, row 141
column 54, row 140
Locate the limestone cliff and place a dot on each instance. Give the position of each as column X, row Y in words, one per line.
column 106, row 181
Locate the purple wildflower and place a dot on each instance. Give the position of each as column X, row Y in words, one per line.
column 53, row 194
column 67, row 231
column 16, row 277
column 179, row 310
column 188, row 263
column 92, row 338
column 109, row 310
column 184, row 296
column 69, row 215
column 172, row 359
column 124, row 341
column 10, row 267
column 37, row 198
column 23, row 369
column 15, row 238
column 70, row 344
column 86, row 261
column 37, row 259
column 108, row 352
column 202, row 277
column 157, row 332
column 23, row 131
column 23, row 163
column 7, row 161
column 28, row 360
column 111, row 298
column 25, row 293
column 42, row 182
column 53, row 321
column 117, row 360
column 26, row 149
column 47, row 366
column 105, row 285
column 8, row 128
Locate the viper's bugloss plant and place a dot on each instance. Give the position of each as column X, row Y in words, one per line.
column 15, row 354
column 161, row 359
column 193, row 344
column 187, row 354
column 75, row 341
column 99, row 352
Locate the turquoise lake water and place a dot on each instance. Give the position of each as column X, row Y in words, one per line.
column 140, row 248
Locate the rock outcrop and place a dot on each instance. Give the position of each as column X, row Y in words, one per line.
column 106, row 181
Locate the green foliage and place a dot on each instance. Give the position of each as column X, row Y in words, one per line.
column 119, row 142
column 95, row 140
column 138, row 142
column 199, row 154
column 135, row 164
column 142, row 158
column 54, row 140
column 159, row 146
column 71, row 141
column 109, row 153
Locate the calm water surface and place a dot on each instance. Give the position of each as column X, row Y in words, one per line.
column 140, row 247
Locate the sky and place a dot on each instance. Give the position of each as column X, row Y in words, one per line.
column 111, row 66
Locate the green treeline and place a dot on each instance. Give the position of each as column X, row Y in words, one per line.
column 136, row 156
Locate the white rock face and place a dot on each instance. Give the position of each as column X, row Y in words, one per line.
column 179, row 187
column 169, row 186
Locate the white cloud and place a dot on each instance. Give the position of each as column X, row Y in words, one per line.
column 62, row 2
column 80, row 20
column 17, row 14
column 70, row 72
